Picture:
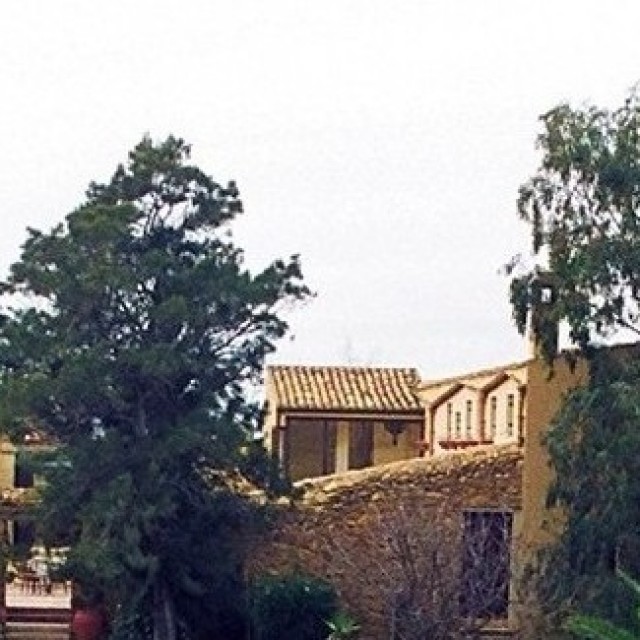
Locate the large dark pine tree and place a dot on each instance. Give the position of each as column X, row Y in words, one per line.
column 129, row 337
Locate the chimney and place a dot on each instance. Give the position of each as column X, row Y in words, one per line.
column 543, row 324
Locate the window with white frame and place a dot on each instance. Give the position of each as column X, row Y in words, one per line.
column 493, row 417
column 510, row 414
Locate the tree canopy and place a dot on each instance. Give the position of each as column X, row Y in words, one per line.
column 130, row 333
column 594, row 445
column 583, row 208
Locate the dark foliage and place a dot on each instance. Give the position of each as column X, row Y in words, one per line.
column 131, row 334
column 291, row 607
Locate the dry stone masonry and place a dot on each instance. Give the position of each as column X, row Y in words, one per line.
column 372, row 532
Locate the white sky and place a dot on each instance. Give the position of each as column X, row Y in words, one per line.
column 384, row 140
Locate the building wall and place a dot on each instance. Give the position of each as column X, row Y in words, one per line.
column 546, row 390
column 7, row 464
column 340, row 510
column 477, row 387
column 315, row 446
column 270, row 425
column 342, row 446
column 335, row 532
column 408, row 443
column 457, row 405
column 510, row 388
column 310, row 447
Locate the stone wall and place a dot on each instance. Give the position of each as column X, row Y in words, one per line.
column 351, row 528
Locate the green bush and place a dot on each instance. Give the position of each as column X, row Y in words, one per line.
column 595, row 628
column 291, row 607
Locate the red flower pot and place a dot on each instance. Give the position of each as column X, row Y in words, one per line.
column 88, row 624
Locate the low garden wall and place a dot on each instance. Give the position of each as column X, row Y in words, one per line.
column 388, row 535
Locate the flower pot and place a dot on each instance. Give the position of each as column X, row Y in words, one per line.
column 88, row 624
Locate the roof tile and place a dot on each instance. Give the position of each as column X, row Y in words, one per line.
column 374, row 389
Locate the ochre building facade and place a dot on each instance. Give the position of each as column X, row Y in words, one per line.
column 368, row 440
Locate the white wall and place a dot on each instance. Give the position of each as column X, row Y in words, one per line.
column 458, row 402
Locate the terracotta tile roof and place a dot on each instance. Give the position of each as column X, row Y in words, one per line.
column 370, row 389
column 489, row 373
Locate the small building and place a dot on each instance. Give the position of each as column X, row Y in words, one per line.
column 19, row 487
column 325, row 420
column 478, row 408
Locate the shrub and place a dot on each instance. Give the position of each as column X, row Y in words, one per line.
column 595, row 628
column 291, row 607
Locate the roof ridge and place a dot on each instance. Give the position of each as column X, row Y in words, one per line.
column 353, row 367
column 426, row 384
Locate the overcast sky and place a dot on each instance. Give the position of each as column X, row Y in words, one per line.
column 383, row 140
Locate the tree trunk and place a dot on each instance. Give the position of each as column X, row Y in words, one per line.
column 164, row 616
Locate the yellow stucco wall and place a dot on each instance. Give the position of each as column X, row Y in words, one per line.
column 306, row 457
column 545, row 393
column 7, row 464
column 315, row 446
column 407, row 447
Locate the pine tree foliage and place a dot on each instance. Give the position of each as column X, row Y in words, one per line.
column 129, row 335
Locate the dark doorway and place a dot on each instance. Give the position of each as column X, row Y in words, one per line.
column 360, row 444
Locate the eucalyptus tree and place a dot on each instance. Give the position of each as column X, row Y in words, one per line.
column 583, row 208
column 582, row 205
